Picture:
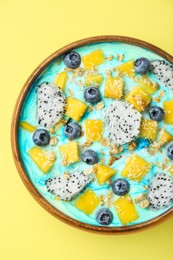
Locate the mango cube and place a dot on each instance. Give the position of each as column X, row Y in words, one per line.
column 104, row 173
column 136, row 168
column 171, row 169
column 93, row 59
column 87, row 202
column 69, row 153
column 127, row 68
column 164, row 137
column 168, row 109
column 147, row 84
column 139, row 98
column 28, row 127
column 61, row 80
column 94, row 129
column 43, row 160
column 114, row 88
column 126, row 210
column 93, row 79
column 75, row 108
column 148, row 129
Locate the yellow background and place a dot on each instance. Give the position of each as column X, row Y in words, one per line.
column 29, row 32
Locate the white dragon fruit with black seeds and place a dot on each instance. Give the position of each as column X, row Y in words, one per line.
column 123, row 122
column 50, row 104
column 67, row 187
column 164, row 72
column 160, row 193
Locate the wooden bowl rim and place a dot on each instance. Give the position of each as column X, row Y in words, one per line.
column 14, row 140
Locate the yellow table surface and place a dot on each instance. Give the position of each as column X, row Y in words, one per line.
column 29, row 32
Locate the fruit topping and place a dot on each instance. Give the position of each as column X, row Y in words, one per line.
column 90, row 157
column 156, row 113
column 104, row 216
column 92, row 95
column 41, row 137
column 142, row 65
column 120, row 187
column 72, row 130
column 72, row 59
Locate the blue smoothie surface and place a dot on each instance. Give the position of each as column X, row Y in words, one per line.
column 29, row 113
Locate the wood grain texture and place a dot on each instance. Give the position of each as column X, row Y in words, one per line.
column 15, row 149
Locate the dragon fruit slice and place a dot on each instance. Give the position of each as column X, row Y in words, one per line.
column 123, row 122
column 67, row 187
column 160, row 193
column 50, row 104
column 164, row 72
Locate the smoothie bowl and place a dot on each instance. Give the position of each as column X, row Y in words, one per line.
column 92, row 134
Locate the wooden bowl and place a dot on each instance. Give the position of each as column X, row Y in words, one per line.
column 14, row 142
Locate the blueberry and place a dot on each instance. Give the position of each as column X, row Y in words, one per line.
column 41, row 137
column 170, row 152
column 90, row 157
column 142, row 65
column 72, row 130
column 92, row 95
column 120, row 187
column 104, row 216
column 156, row 113
column 72, row 59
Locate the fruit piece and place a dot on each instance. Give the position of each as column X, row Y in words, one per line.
column 164, row 137
column 136, row 168
column 66, row 187
column 50, row 104
column 93, row 80
column 120, row 187
column 41, row 137
column 138, row 98
column 90, row 157
column 93, row 129
column 93, row 59
column 69, row 153
column 160, row 191
column 147, row 84
column 142, row 65
column 28, row 127
column 170, row 152
column 127, row 68
column 61, row 80
column 92, row 95
column 168, row 109
column 114, row 88
column 148, row 129
column 42, row 159
column 72, row 59
column 104, row 216
column 123, row 122
column 72, row 130
column 87, row 202
column 156, row 113
column 104, row 173
column 171, row 170
column 164, row 72
column 126, row 209
column 75, row 108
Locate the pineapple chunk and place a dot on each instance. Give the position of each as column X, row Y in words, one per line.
column 103, row 173
column 28, row 127
column 94, row 129
column 43, row 160
column 87, row 202
column 136, row 168
column 69, row 153
column 168, row 109
column 148, row 129
column 126, row 209
column 75, row 108
column 164, row 137
column 114, row 88
column 147, row 84
column 171, row 170
column 61, row 80
column 93, row 59
column 93, row 79
column 138, row 98
column 127, row 68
